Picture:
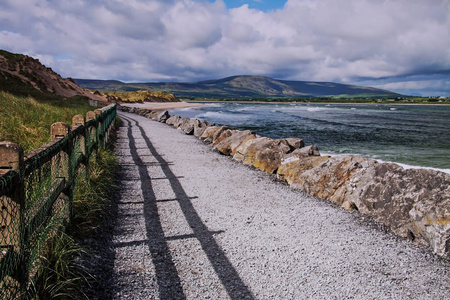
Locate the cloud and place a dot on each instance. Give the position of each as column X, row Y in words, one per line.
column 349, row 41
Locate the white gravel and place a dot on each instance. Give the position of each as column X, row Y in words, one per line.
column 193, row 224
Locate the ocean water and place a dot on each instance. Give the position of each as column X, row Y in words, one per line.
column 411, row 135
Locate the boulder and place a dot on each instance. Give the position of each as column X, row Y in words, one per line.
column 178, row 123
column 331, row 179
column 173, row 119
column 209, row 132
column 199, row 128
column 212, row 133
column 187, row 126
column 263, row 153
column 301, row 153
column 220, row 136
column 295, row 143
column 154, row 115
column 292, row 171
column 163, row 116
column 229, row 145
column 414, row 203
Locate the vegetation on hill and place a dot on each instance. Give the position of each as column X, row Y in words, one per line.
column 27, row 120
column 140, row 96
column 23, row 75
column 243, row 87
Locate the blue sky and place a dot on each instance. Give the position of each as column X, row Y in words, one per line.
column 263, row 5
column 400, row 45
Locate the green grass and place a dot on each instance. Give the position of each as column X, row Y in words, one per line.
column 27, row 121
column 58, row 273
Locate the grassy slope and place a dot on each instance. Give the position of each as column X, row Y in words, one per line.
column 27, row 121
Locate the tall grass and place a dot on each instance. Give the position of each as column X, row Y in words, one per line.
column 27, row 121
column 60, row 274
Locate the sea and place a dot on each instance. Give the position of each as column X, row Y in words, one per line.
column 414, row 136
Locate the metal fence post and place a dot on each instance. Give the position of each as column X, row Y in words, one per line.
column 12, row 229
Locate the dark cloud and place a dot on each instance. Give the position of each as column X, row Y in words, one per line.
column 400, row 45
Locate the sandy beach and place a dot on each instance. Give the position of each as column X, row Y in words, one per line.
column 162, row 105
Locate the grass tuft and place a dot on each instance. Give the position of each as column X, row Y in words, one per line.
column 27, row 121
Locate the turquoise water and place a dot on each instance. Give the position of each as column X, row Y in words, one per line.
column 414, row 135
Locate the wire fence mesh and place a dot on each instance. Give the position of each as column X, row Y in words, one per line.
column 36, row 194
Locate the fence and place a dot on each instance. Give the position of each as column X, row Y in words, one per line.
column 36, row 193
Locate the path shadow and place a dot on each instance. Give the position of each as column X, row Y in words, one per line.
column 227, row 274
column 169, row 284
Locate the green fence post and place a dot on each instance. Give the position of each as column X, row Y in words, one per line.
column 12, row 230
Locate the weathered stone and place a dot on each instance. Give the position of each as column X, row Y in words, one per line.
column 222, row 136
column 212, row 133
column 414, row 203
column 263, row 153
column 243, row 149
column 187, row 126
column 300, row 153
column 209, row 132
column 173, row 119
column 178, row 123
column 292, row 171
column 154, row 115
column 283, row 145
column 229, row 145
column 199, row 128
column 163, row 116
column 332, row 179
column 295, row 143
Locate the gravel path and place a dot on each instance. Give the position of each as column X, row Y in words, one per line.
column 192, row 224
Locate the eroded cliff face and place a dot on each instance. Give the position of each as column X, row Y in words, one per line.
column 413, row 203
column 30, row 71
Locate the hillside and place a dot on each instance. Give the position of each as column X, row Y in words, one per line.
column 26, row 76
column 243, row 87
column 140, row 96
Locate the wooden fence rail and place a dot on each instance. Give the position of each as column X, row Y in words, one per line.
column 36, row 193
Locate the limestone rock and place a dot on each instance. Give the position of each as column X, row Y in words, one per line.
column 263, row 153
column 300, row 153
column 414, row 203
column 199, row 127
column 222, row 136
column 162, row 117
column 292, row 171
column 295, row 143
column 212, row 133
column 178, row 123
column 173, row 119
column 187, row 126
column 209, row 132
column 229, row 145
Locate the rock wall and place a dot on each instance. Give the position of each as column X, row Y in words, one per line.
column 413, row 203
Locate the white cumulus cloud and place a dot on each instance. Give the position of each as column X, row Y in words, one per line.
column 349, row 41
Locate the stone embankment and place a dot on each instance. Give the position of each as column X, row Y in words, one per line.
column 413, row 203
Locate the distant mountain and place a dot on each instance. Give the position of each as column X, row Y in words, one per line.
column 244, row 86
column 26, row 76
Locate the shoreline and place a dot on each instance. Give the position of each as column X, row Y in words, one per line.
column 162, row 105
column 290, row 102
